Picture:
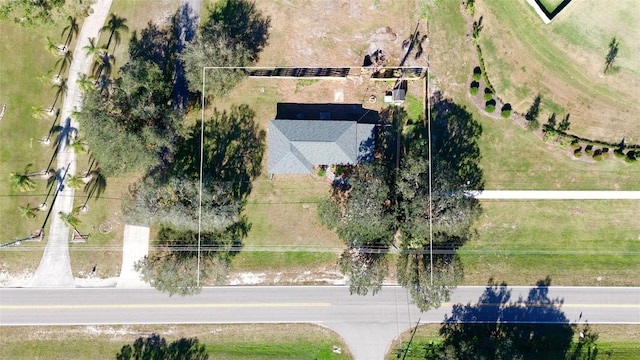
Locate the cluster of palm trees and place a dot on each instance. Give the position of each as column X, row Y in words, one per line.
column 103, row 60
column 92, row 181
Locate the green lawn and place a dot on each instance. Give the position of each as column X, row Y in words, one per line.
column 574, row 242
column 514, row 159
column 617, row 342
column 255, row 341
column 25, row 83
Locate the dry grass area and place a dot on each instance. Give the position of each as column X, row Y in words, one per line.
column 564, row 62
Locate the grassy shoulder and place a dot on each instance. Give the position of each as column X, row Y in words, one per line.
column 254, row 341
column 575, row 242
column 614, row 342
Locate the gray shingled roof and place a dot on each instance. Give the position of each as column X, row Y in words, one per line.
column 296, row 145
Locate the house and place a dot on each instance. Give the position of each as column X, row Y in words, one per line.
column 304, row 135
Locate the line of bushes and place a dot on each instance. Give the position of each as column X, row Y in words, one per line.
column 595, row 149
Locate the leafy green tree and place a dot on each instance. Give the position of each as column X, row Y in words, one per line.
column 232, row 36
column 174, row 203
column 415, row 273
column 367, row 219
column 367, row 268
column 115, row 25
column 242, row 22
column 220, row 52
column 36, row 12
column 154, row 347
column 385, row 200
column 234, row 146
column 174, row 269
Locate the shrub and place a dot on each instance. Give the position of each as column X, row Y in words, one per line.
column 477, row 73
column 619, row 153
column 597, row 155
column 575, row 144
column 473, row 91
column 506, row 110
column 588, row 150
column 488, row 94
column 577, row 152
column 322, row 172
column 490, row 106
column 631, row 156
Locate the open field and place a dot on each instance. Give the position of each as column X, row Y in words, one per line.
column 573, row 242
column 255, row 341
column 564, row 63
column 615, row 341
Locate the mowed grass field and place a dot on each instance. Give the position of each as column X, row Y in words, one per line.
column 228, row 342
column 564, row 63
column 575, row 242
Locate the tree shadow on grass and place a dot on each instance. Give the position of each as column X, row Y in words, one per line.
column 498, row 327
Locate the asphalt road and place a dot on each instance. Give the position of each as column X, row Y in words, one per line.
column 368, row 324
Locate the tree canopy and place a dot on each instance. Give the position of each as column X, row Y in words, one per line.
column 386, row 203
column 31, row 13
column 232, row 36
column 155, row 347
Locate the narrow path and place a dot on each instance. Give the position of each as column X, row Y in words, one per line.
column 135, row 246
column 55, row 267
column 555, row 195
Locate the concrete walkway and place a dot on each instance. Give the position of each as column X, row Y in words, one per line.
column 555, row 195
column 135, row 246
column 55, row 267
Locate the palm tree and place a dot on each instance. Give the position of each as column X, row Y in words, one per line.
column 22, row 181
column 61, row 90
column 84, row 83
column 96, row 184
column 93, row 50
column 104, row 66
column 53, row 48
column 96, row 52
column 28, row 212
column 79, row 146
column 70, row 30
column 115, row 25
column 64, row 62
column 70, row 219
column 74, row 181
